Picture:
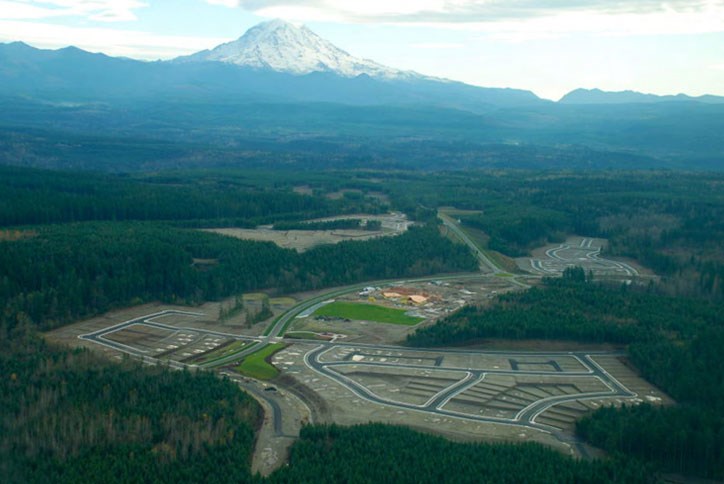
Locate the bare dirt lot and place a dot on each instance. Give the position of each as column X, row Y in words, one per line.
column 302, row 240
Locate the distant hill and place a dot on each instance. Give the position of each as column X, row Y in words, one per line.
column 597, row 96
column 74, row 75
column 282, row 94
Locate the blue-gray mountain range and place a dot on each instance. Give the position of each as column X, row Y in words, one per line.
column 282, row 88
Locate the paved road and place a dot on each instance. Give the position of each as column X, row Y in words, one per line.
column 591, row 254
column 100, row 336
column 435, row 404
column 266, row 397
column 278, row 327
column 273, row 334
column 482, row 257
column 525, row 417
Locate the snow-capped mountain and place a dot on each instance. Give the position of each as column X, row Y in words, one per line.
column 273, row 62
column 283, row 47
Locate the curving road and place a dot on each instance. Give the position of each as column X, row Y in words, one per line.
column 435, row 405
column 589, row 254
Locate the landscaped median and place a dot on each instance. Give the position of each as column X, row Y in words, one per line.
column 257, row 365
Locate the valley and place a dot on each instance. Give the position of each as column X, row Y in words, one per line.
column 465, row 242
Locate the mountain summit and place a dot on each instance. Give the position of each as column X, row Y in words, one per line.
column 283, row 47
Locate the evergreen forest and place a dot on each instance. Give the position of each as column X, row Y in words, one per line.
column 77, row 244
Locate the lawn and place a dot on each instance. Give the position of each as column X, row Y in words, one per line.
column 256, row 365
column 367, row 312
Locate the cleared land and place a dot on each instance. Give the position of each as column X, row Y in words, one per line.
column 303, row 240
column 256, row 364
column 585, row 252
column 352, row 374
column 367, row 312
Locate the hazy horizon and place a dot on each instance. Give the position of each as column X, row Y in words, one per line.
column 645, row 46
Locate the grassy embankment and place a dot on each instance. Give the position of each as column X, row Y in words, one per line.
column 256, row 365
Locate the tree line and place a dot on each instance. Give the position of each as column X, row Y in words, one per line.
column 63, row 272
column 669, row 221
column 31, row 197
column 382, row 453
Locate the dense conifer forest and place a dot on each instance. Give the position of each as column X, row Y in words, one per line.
column 77, row 244
column 671, row 222
column 71, row 416
column 45, row 276
column 381, row 453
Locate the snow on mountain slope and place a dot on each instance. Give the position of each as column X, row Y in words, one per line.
column 283, row 47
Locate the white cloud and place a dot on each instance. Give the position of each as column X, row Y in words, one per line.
column 115, row 42
column 437, row 45
column 98, row 10
column 508, row 19
column 225, row 3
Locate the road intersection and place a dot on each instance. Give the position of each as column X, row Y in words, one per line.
column 517, row 393
column 439, row 402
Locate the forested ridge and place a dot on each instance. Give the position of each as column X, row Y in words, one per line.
column 29, row 196
column 675, row 343
column 572, row 308
column 671, row 222
column 77, row 244
column 59, row 273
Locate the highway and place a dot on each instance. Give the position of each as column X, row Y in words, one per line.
column 482, row 257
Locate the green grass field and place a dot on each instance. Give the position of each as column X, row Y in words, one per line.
column 366, row 312
column 256, row 366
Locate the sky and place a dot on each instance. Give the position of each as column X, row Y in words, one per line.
column 547, row 46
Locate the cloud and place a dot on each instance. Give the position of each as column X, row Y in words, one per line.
column 437, row 45
column 507, row 18
column 98, row 10
column 225, row 3
column 115, row 42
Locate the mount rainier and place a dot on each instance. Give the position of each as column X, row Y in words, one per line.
column 274, row 61
column 283, row 47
